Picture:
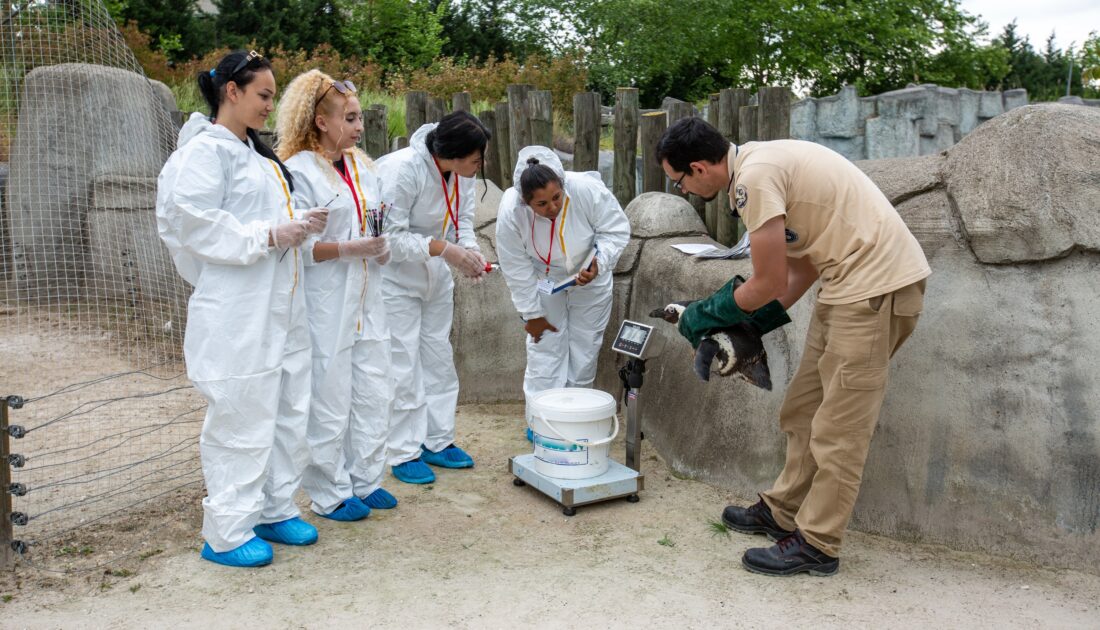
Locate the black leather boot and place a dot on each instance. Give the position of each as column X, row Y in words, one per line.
column 789, row 556
column 756, row 519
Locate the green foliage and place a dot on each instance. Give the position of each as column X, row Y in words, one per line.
column 1090, row 65
column 394, row 33
column 175, row 25
column 1044, row 74
column 718, row 529
column 484, row 29
column 666, row 542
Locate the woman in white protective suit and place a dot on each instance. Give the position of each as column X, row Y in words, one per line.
column 319, row 123
column 549, row 225
column 225, row 211
column 431, row 230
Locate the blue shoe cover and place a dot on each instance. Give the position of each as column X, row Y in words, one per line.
column 352, row 509
column 414, row 472
column 450, row 457
column 292, row 531
column 530, row 435
column 382, row 500
column 254, row 553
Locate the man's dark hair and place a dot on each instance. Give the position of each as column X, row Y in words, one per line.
column 691, row 140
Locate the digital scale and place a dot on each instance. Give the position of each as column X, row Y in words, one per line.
column 637, row 342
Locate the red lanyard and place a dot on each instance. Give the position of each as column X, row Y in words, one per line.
column 550, row 252
column 347, row 180
column 451, row 214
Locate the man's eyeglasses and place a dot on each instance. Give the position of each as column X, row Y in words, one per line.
column 678, row 183
column 343, row 87
column 252, row 54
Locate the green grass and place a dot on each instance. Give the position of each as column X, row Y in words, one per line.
column 666, row 542
column 135, row 588
column 6, row 598
column 718, row 528
column 121, row 572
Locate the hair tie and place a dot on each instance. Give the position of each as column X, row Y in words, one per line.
column 213, row 72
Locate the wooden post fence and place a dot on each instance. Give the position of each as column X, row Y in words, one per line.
column 541, row 109
column 626, row 145
column 713, row 207
column 504, row 145
column 462, row 102
column 586, row 131
column 519, row 118
column 730, row 101
column 653, row 125
column 416, row 102
column 400, row 142
column 435, row 109
column 773, row 113
column 375, row 131
column 746, row 125
column 492, row 151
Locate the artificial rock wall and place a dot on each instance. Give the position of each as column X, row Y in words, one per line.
column 990, row 435
column 917, row 120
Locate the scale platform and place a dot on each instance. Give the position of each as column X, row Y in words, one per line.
column 618, row 482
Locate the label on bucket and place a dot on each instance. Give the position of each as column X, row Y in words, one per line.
column 558, row 452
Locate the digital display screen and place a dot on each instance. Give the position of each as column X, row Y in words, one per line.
column 632, row 338
column 634, row 334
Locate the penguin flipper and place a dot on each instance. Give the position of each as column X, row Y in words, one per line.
column 704, row 355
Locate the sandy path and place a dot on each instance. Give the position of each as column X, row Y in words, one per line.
column 474, row 551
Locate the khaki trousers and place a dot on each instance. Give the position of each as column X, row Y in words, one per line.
column 831, row 408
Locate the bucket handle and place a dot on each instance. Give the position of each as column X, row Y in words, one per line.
column 558, row 436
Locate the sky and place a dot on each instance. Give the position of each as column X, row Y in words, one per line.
column 1071, row 20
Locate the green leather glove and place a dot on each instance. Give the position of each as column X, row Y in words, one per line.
column 717, row 311
column 769, row 317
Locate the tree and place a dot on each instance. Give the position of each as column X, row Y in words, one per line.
column 175, row 26
column 394, row 33
column 1090, row 65
column 480, row 29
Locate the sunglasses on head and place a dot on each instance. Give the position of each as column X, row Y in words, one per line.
column 343, row 87
column 252, row 54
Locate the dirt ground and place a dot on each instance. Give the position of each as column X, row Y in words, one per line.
column 473, row 551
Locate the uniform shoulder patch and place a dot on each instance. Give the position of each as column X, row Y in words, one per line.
column 741, row 196
column 792, row 236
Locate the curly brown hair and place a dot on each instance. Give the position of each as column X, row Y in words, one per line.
column 295, row 124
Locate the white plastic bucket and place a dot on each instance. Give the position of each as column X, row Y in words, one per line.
column 573, row 428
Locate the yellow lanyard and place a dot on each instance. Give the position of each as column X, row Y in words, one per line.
column 289, row 211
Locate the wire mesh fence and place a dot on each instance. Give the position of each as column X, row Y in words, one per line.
column 91, row 308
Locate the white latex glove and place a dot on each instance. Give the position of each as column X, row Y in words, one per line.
column 289, row 234
column 369, row 247
column 466, row 261
column 383, row 258
column 316, row 219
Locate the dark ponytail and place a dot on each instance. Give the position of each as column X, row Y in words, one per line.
column 536, row 177
column 234, row 67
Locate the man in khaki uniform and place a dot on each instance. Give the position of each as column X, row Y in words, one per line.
column 811, row 215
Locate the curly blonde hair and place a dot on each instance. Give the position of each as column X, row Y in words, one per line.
column 295, row 124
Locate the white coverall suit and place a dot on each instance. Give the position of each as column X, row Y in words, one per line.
column 590, row 218
column 247, row 343
column 350, row 411
column 419, row 295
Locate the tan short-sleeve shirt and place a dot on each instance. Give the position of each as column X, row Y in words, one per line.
column 834, row 214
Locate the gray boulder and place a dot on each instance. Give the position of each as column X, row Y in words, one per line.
column 1026, row 183
column 89, row 135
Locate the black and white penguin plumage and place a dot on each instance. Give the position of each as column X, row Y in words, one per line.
column 738, row 349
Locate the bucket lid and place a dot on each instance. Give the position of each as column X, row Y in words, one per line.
column 573, row 404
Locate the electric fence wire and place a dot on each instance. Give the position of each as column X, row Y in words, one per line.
column 28, row 560
column 68, row 389
column 98, row 404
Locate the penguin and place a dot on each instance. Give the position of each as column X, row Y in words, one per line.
column 738, row 348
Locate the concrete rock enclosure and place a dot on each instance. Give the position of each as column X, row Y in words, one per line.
column 90, row 142
column 990, row 436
